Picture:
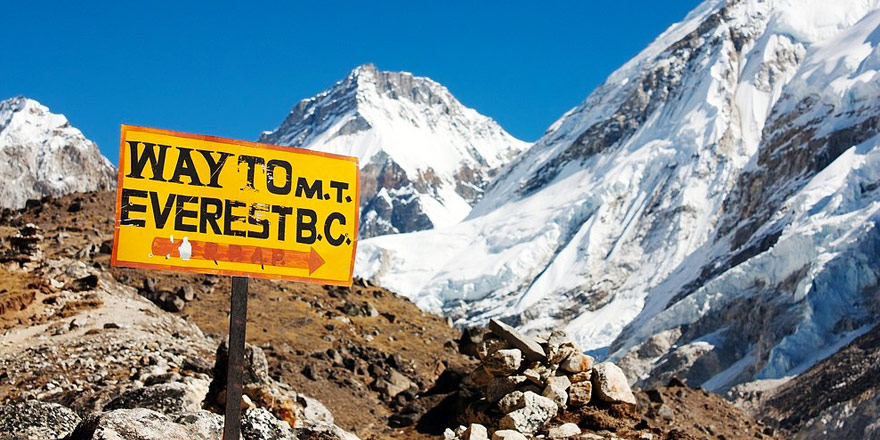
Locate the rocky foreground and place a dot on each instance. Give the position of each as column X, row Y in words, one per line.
column 102, row 362
column 94, row 352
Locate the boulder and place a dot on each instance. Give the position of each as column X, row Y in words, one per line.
column 566, row 430
column 204, row 424
column 580, row 394
column 503, row 362
column 36, row 420
column 530, row 348
column 507, row 434
column 265, row 392
column 259, row 424
column 535, row 413
column 323, row 431
column 132, row 424
column 256, row 369
column 610, row 385
column 167, row 398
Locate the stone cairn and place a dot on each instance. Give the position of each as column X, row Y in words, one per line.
column 26, row 244
column 523, row 382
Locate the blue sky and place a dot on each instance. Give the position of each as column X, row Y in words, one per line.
column 235, row 69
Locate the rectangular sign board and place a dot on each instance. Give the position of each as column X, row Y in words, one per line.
column 205, row 204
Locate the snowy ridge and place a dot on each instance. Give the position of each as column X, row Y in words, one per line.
column 709, row 211
column 425, row 157
column 41, row 154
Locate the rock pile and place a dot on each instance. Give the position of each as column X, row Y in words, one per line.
column 523, row 382
column 26, row 245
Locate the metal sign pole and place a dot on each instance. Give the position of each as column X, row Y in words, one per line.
column 235, row 362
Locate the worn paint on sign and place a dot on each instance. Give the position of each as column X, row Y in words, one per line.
column 212, row 205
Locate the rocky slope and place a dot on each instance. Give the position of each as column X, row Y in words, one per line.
column 41, row 154
column 425, row 158
column 84, row 357
column 708, row 212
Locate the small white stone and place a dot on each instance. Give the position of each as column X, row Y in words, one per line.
column 565, row 430
column 507, row 434
column 475, row 431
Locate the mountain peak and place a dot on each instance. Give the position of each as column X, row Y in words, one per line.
column 420, row 149
column 42, row 154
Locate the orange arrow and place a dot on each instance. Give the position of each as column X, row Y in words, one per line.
column 233, row 253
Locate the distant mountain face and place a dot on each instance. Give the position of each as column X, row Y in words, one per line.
column 41, row 154
column 425, row 158
column 710, row 211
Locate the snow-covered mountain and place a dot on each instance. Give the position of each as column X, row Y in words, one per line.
column 425, row 158
column 709, row 211
column 42, row 154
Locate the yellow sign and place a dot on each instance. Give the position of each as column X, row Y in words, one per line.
column 205, row 204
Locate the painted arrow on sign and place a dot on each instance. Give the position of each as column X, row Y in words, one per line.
column 205, row 250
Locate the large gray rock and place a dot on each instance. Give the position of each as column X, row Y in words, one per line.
column 610, row 385
column 259, row 424
column 535, row 411
column 256, row 371
column 323, row 431
column 132, row 424
column 530, row 348
column 167, row 398
column 203, row 423
column 35, row 420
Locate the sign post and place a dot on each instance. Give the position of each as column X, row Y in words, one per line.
column 206, row 204
column 235, row 361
